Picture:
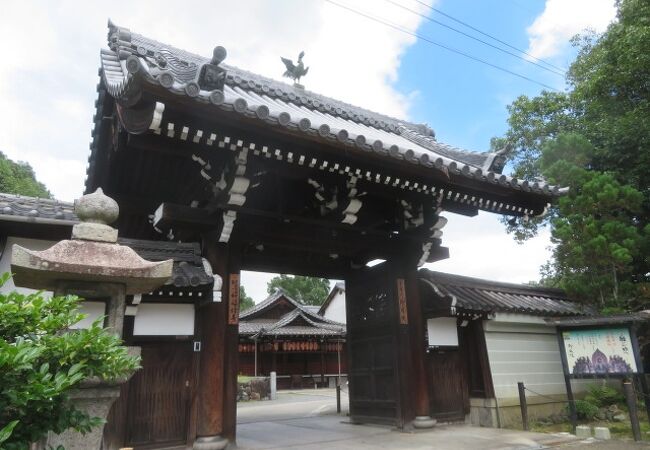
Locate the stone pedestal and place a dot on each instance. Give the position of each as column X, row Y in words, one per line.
column 583, row 431
column 96, row 399
column 602, row 433
column 210, row 443
column 421, row 422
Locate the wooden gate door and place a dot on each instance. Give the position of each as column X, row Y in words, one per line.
column 372, row 348
column 159, row 396
column 448, row 393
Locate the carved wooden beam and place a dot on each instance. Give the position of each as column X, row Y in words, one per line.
column 142, row 117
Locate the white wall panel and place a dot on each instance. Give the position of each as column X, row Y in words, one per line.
column 528, row 353
column 164, row 319
column 442, row 331
column 336, row 309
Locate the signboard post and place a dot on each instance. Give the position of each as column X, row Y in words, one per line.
column 573, row 414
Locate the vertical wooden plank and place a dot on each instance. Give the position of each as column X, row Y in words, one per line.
column 573, row 414
column 523, row 405
column 401, row 299
column 194, row 385
column 484, row 361
column 233, row 299
column 406, row 378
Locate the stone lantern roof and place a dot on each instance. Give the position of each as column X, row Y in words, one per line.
column 92, row 255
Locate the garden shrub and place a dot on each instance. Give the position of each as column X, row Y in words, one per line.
column 585, row 410
column 603, row 396
column 41, row 359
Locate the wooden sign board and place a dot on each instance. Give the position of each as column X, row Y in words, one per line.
column 599, row 351
column 401, row 298
column 233, row 299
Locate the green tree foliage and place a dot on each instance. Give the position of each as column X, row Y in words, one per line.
column 594, row 227
column 245, row 300
column 306, row 290
column 595, row 139
column 19, row 178
column 41, row 359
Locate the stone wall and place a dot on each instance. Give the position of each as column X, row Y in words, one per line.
column 258, row 388
column 483, row 412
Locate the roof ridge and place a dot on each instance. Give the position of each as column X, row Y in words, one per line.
column 53, row 201
column 277, row 293
column 199, row 59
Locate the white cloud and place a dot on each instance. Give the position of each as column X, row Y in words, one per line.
column 562, row 19
column 479, row 247
column 49, row 69
column 255, row 284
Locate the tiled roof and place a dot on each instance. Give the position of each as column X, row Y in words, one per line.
column 284, row 326
column 268, row 301
column 32, row 209
column 189, row 271
column 134, row 59
column 484, row 296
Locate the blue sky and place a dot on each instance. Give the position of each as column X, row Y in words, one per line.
column 49, row 73
column 463, row 100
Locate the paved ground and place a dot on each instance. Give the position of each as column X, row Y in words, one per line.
column 308, row 420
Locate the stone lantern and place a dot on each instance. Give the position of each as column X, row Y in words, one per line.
column 93, row 266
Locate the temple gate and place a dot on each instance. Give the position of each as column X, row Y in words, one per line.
column 271, row 177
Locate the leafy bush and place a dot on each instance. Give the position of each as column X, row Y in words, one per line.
column 585, row 409
column 602, row 396
column 41, row 359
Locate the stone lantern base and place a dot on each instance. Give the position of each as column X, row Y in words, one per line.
column 94, row 398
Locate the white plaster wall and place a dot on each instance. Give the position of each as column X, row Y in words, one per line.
column 336, row 309
column 5, row 260
column 164, row 319
column 525, row 350
column 442, row 331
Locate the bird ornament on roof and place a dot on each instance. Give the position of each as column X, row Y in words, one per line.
column 295, row 71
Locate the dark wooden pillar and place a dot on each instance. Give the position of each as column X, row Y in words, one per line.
column 230, row 346
column 417, row 326
column 216, row 394
column 406, row 377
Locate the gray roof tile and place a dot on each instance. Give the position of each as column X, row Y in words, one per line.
column 33, row 209
column 485, row 296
